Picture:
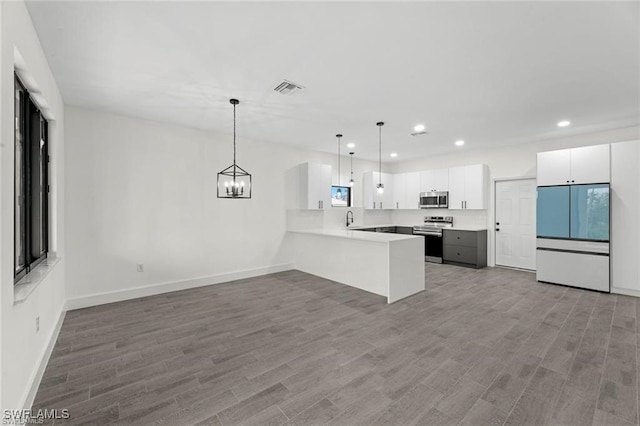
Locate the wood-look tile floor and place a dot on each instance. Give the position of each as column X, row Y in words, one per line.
column 482, row 347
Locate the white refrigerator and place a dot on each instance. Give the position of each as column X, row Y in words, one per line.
column 573, row 223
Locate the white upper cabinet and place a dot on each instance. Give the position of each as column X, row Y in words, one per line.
column 476, row 187
column 456, row 188
column 412, row 190
column 315, row 186
column 400, row 191
column 427, row 182
column 468, row 187
column 589, row 164
column 434, row 180
column 406, row 190
column 371, row 198
column 554, row 167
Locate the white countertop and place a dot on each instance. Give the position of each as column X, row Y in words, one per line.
column 455, row 228
column 379, row 237
column 384, row 225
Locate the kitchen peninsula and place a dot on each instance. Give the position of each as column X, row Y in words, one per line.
column 390, row 265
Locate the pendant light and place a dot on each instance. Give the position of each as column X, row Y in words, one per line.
column 351, row 182
column 380, row 186
column 339, row 191
column 234, row 181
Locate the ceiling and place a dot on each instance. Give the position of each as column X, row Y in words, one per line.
column 491, row 73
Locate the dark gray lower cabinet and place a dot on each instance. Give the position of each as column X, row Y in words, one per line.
column 466, row 248
column 404, row 230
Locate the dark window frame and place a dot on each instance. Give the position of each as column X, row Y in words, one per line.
column 32, row 172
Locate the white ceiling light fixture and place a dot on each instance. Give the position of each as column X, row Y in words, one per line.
column 287, row 87
column 351, row 145
column 380, row 186
column 419, row 129
column 236, row 181
column 459, row 142
column 564, row 123
column 394, row 154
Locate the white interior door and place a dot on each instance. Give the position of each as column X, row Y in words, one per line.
column 516, row 223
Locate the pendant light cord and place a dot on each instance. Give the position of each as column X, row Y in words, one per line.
column 234, row 141
column 351, row 155
column 338, row 136
column 380, row 124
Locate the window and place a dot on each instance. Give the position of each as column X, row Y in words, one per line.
column 31, row 184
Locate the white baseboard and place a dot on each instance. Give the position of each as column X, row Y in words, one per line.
column 151, row 290
column 36, row 376
column 625, row 291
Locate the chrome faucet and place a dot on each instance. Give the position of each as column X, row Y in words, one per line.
column 349, row 221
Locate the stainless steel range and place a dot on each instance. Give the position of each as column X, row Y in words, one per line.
column 432, row 232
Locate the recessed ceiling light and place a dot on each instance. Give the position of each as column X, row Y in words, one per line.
column 351, row 145
column 394, row 154
column 419, row 128
column 563, row 123
column 460, row 143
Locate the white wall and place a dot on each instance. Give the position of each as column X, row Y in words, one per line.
column 144, row 192
column 2, row 231
column 22, row 349
column 138, row 191
column 625, row 229
column 504, row 163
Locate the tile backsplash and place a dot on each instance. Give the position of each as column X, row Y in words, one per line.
column 471, row 218
column 335, row 217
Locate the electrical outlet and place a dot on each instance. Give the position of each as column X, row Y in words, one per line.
column 140, row 267
column 37, row 324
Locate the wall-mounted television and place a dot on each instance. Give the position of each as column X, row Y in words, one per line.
column 340, row 196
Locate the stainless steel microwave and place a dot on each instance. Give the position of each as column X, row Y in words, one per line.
column 434, row 200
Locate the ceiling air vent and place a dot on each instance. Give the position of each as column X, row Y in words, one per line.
column 424, row 132
column 287, row 87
